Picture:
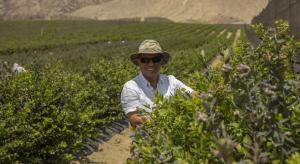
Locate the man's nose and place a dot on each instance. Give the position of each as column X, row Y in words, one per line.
column 150, row 63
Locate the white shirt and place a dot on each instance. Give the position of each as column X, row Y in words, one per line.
column 17, row 68
column 138, row 93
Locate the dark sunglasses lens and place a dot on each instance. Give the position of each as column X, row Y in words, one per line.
column 145, row 60
column 156, row 59
column 148, row 60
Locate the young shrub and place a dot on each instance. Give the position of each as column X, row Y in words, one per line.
column 45, row 115
column 249, row 111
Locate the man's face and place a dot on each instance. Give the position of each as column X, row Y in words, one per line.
column 150, row 64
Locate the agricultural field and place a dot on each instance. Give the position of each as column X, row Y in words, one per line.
column 76, row 70
column 71, row 40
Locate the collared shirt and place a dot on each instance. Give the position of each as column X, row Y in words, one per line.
column 138, row 93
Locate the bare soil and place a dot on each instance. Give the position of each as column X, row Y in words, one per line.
column 114, row 151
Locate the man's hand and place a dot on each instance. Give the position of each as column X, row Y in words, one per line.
column 195, row 94
column 135, row 119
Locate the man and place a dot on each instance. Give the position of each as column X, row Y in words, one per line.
column 138, row 92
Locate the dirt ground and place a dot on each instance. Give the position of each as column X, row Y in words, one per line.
column 114, row 151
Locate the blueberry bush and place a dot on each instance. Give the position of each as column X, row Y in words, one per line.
column 248, row 111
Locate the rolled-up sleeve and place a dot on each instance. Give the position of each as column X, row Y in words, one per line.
column 180, row 85
column 129, row 99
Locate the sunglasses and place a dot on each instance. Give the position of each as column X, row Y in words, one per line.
column 156, row 59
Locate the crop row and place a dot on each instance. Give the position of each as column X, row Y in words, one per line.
column 34, row 35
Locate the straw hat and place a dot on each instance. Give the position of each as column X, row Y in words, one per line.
column 150, row 47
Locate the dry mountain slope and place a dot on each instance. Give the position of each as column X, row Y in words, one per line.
column 41, row 9
column 210, row 11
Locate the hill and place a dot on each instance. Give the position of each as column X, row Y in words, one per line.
column 205, row 11
column 42, row 9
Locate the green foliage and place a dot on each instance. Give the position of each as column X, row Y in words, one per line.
column 47, row 112
column 109, row 76
column 80, row 43
column 248, row 112
column 45, row 115
column 294, row 159
column 26, row 36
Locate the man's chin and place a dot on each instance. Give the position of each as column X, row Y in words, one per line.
column 151, row 74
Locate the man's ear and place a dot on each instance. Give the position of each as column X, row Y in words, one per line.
column 136, row 61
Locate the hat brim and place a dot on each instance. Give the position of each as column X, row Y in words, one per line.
column 166, row 57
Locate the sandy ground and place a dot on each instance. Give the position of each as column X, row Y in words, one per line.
column 115, row 151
